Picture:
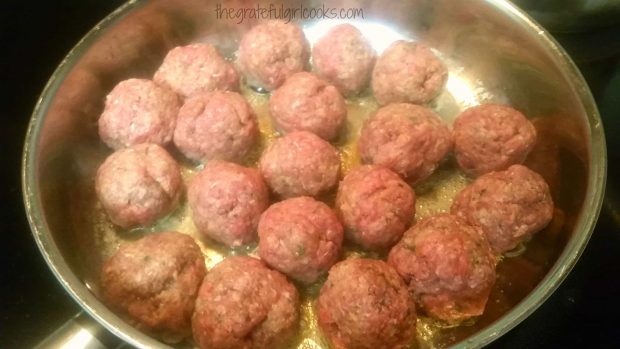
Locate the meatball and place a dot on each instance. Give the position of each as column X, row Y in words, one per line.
column 308, row 103
column 138, row 185
column 300, row 164
column 448, row 265
column 138, row 111
column 376, row 206
column 344, row 58
column 364, row 304
column 408, row 72
column 491, row 137
column 300, row 237
column 244, row 304
column 154, row 282
column 271, row 52
column 226, row 201
column 216, row 125
column 195, row 69
column 509, row 206
column 408, row 139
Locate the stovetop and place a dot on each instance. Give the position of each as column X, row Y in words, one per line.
column 35, row 36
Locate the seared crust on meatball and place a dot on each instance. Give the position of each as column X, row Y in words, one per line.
column 195, row 69
column 226, row 201
column 154, row 281
column 344, row 58
column 300, row 164
column 138, row 185
column 217, row 125
column 509, row 206
column 138, row 111
column 364, row 304
column 376, row 206
column 408, row 139
column 408, row 72
column 448, row 265
column 300, row 237
column 271, row 52
column 492, row 137
column 244, row 304
column 307, row 103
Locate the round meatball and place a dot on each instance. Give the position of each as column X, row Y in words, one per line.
column 491, row 137
column 376, row 206
column 344, row 58
column 244, row 304
column 271, row 52
column 138, row 185
column 308, row 103
column 154, row 282
column 300, row 164
column 217, row 125
column 364, row 304
column 300, row 237
column 226, row 201
column 408, row 139
column 509, row 206
column 408, row 72
column 195, row 69
column 138, row 111
column 448, row 265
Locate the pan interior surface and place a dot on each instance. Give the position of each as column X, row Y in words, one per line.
column 494, row 54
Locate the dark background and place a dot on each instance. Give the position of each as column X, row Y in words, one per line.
column 35, row 36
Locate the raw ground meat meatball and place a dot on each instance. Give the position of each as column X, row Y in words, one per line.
column 408, row 72
column 491, row 137
column 509, row 206
column 197, row 68
column 300, row 237
column 154, row 282
column 138, row 111
column 307, row 103
column 344, row 58
column 217, row 125
column 448, row 265
column 226, row 201
column 408, row 139
column 300, row 164
column 138, row 185
column 364, row 304
column 271, row 52
column 244, row 304
column 376, row 206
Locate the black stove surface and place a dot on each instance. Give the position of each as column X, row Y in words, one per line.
column 35, row 36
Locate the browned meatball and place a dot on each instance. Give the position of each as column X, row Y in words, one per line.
column 509, row 206
column 138, row 111
column 244, row 304
column 195, row 69
column 364, row 304
column 492, row 137
column 226, row 201
column 344, row 58
column 300, row 164
column 138, row 185
column 271, row 52
column 300, row 237
column 153, row 282
column 217, row 125
column 376, row 206
column 449, row 266
column 408, row 72
column 307, row 103
column 408, row 139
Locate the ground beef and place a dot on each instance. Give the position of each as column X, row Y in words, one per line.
column 138, row 185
